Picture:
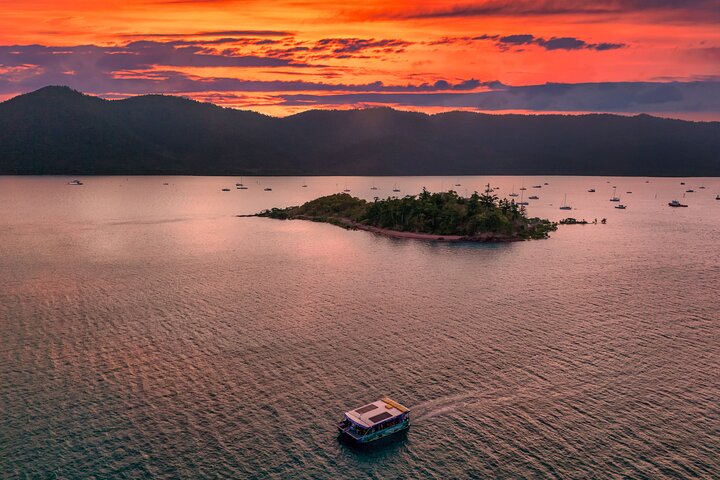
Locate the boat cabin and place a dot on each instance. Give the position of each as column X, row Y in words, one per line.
column 374, row 421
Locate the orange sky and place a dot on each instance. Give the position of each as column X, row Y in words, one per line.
column 262, row 54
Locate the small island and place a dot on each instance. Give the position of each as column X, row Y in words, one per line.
column 444, row 216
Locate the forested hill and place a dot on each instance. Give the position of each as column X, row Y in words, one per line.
column 56, row 130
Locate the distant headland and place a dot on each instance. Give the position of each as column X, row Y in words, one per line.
column 442, row 216
column 56, row 130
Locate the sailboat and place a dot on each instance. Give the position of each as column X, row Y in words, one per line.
column 522, row 202
column 347, row 190
column 395, row 188
column 240, row 185
column 513, row 194
column 615, row 198
column 304, row 185
column 373, row 186
column 564, row 205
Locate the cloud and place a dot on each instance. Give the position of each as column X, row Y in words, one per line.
column 674, row 10
column 507, row 42
column 615, row 97
column 354, row 45
column 213, row 33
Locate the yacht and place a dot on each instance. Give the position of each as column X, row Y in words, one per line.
column 513, row 194
column 533, row 197
column 374, row 421
column 591, row 190
column 676, row 204
column 689, row 190
column 537, row 186
column 522, row 202
column 75, row 182
column 564, row 205
column 615, row 198
column 395, row 188
column 621, row 207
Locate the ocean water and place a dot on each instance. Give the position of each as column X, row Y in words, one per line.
column 146, row 332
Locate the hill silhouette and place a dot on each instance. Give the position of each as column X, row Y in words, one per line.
column 56, row 130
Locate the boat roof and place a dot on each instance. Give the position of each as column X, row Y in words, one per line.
column 377, row 412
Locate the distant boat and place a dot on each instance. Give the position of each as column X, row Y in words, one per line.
column 537, row 186
column 628, row 192
column 523, row 188
column 373, row 186
column 304, row 185
column 689, row 190
column 347, row 190
column 166, row 183
column 564, row 205
column 239, row 184
column 717, row 197
column 592, row 190
column 546, row 183
column 682, row 183
column 513, row 194
column 521, row 202
column 701, row 187
column 533, row 197
column 615, row 198
column 267, row 189
column 675, row 203
column 75, row 182
column 225, row 189
column 621, row 207
column 395, row 188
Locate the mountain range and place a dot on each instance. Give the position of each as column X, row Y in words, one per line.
column 56, row 130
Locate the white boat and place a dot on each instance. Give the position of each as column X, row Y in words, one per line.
column 395, row 188
column 374, row 421
column 676, row 204
column 621, row 207
column 513, row 194
column 615, row 198
column 522, row 202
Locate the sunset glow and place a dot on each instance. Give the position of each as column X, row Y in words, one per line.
column 286, row 56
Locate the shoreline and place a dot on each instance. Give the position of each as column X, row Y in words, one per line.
column 430, row 237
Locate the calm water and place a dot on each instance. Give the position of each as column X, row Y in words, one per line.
column 145, row 332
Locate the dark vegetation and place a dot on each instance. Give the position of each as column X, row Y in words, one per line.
column 56, row 130
column 444, row 213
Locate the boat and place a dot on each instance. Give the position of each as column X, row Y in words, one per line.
column 717, row 197
column 682, row 183
column 537, row 186
column 225, row 189
column 522, row 202
column 513, row 194
column 533, row 197
column 689, row 190
column 395, row 188
column 621, row 207
column 523, row 188
column 564, row 205
column 615, row 198
column 374, row 421
column 546, row 183
column 347, row 190
column 75, row 182
column 676, row 204
column 701, row 187
column 591, row 190
column 304, row 185
column 373, row 187
column 267, row 189
column 166, row 183
column 239, row 184
column 628, row 192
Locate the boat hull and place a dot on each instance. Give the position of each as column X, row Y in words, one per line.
column 375, row 438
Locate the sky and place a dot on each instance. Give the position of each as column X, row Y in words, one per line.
column 281, row 57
